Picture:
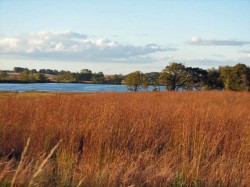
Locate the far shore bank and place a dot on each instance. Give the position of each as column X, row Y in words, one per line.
column 29, row 82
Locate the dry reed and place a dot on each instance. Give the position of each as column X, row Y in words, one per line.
column 126, row 139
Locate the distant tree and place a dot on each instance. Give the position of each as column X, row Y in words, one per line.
column 174, row 76
column 48, row 71
column 134, row 80
column 19, row 69
column 39, row 77
column 243, row 74
column 42, row 71
column 66, row 76
column 213, row 80
column 235, row 78
column 85, row 75
column 114, row 79
column 145, row 82
column 153, row 78
column 29, row 76
column 74, row 77
column 24, row 75
column 98, row 77
column 55, row 72
column 33, row 71
column 3, row 75
column 196, row 78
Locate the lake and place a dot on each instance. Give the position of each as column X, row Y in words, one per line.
column 65, row 87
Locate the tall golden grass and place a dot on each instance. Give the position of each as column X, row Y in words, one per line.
column 125, row 139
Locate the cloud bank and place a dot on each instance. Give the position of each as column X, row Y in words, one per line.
column 198, row 41
column 72, row 46
column 207, row 63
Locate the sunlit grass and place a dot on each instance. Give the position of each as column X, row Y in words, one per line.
column 122, row 139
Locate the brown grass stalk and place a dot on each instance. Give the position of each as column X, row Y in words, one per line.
column 20, row 163
column 123, row 139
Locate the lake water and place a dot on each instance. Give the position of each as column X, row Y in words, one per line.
column 65, row 87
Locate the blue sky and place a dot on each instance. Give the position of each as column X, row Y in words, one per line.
column 117, row 36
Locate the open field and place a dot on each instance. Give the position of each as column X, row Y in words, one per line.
column 123, row 139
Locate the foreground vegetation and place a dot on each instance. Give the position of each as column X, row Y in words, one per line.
column 122, row 139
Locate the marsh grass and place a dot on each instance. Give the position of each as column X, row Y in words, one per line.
column 125, row 139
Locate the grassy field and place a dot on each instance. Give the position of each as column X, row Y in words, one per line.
column 125, row 139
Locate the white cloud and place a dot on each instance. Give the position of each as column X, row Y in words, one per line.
column 206, row 63
column 215, row 42
column 72, row 46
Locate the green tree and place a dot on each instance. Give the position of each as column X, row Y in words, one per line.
column 115, row 79
column 153, row 79
column 134, row 80
column 3, row 75
column 29, row 76
column 213, row 80
column 19, row 69
column 24, row 75
column 174, row 76
column 196, row 78
column 145, row 82
column 98, row 77
column 33, row 71
column 39, row 77
column 85, row 75
column 235, row 78
column 243, row 74
column 67, row 76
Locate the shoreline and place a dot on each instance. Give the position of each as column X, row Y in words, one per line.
column 26, row 82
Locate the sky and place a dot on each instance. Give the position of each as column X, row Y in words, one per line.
column 117, row 36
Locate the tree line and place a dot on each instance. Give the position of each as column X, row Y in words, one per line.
column 175, row 76
column 49, row 75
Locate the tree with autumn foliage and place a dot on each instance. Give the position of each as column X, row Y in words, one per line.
column 134, row 80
